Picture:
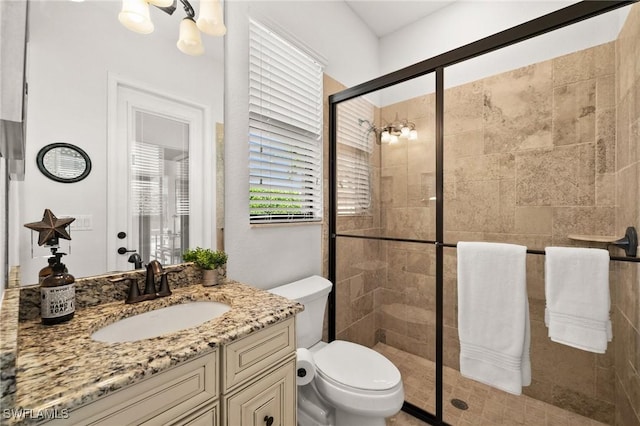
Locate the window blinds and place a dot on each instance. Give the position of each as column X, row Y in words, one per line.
column 285, row 128
column 355, row 144
column 147, row 169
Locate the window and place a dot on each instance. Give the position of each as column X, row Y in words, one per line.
column 285, row 130
column 355, row 144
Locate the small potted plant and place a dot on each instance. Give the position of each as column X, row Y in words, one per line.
column 212, row 262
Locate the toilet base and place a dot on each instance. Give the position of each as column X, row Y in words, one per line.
column 313, row 410
column 344, row 418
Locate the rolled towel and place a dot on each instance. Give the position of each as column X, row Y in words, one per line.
column 493, row 315
column 577, row 297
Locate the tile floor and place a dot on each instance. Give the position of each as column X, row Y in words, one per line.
column 487, row 406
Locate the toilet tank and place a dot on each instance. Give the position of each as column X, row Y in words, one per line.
column 311, row 292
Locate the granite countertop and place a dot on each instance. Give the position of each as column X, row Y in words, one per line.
column 61, row 367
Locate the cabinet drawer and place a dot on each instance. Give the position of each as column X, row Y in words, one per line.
column 257, row 352
column 156, row 399
column 270, row 400
column 206, row 416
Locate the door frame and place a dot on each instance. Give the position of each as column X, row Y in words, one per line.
column 202, row 167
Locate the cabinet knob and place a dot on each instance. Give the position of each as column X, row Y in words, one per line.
column 268, row 420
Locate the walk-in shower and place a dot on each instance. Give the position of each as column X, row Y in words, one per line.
column 528, row 154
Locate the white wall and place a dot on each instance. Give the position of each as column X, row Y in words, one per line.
column 464, row 22
column 3, row 226
column 268, row 255
column 72, row 49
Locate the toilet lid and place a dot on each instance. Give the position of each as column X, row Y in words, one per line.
column 356, row 366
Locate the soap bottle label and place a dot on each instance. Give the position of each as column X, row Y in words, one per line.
column 57, row 301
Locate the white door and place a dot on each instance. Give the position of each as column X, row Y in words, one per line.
column 161, row 163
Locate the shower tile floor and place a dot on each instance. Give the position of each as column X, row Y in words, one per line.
column 487, row 406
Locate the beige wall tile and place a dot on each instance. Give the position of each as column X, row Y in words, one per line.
column 422, row 107
column 473, row 197
column 606, row 190
column 626, row 197
column 606, row 141
column 533, row 220
column 518, row 109
column 559, row 364
column 623, row 134
column 463, row 108
column 574, row 107
column 585, row 64
column 605, row 59
column 484, row 167
column 582, row 221
column 606, row 92
column 559, row 177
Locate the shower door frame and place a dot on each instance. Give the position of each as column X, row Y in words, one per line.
column 544, row 24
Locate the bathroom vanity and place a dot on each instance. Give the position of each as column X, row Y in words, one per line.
column 238, row 368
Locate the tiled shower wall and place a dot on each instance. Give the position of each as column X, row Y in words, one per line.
column 530, row 157
column 360, row 266
column 626, row 310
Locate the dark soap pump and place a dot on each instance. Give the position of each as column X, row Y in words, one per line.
column 57, row 295
column 47, row 270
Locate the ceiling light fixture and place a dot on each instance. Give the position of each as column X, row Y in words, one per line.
column 135, row 16
column 392, row 132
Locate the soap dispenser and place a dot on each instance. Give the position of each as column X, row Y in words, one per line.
column 47, row 270
column 57, row 294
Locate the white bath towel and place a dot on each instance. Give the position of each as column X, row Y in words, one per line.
column 577, row 297
column 493, row 315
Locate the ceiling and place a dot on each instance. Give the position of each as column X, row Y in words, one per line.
column 385, row 17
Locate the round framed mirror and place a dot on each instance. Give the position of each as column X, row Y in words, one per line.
column 63, row 162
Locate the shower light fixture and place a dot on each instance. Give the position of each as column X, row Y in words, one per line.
column 392, row 132
column 135, row 16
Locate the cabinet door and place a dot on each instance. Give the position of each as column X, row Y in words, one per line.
column 270, row 401
column 245, row 358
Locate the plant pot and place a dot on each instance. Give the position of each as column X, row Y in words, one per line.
column 209, row 277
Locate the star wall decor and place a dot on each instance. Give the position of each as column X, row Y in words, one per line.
column 50, row 227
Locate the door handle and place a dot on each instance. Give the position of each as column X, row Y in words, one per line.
column 268, row 420
column 123, row 250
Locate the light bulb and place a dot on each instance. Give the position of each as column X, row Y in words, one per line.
column 394, row 139
column 404, row 132
column 385, row 137
column 413, row 135
column 161, row 3
column 210, row 20
column 135, row 16
column 190, row 41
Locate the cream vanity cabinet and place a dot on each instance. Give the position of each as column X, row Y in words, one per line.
column 185, row 395
column 250, row 381
column 259, row 378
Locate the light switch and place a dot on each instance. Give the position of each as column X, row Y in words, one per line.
column 83, row 222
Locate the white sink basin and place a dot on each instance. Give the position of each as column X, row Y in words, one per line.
column 160, row 321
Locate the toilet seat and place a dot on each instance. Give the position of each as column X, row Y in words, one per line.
column 356, row 366
column 358, row 379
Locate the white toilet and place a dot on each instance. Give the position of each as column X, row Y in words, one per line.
column 353, row 385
